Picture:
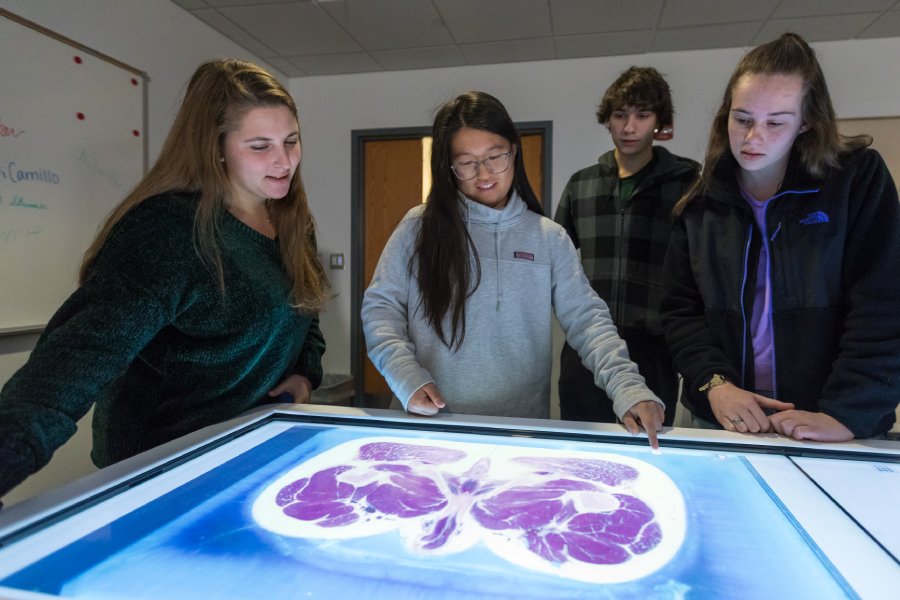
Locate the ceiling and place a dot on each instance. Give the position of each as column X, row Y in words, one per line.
column 326, row 37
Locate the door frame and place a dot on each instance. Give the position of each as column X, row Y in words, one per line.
column 545, row 128
column 357, row 215
column 357, row 240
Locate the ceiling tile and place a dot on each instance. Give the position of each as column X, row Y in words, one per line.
column 230, row 3
column 817, row 29
column 334, row 64
column 888, row 25
column 227, row 28
column 420, row 58
column 816, row 8
column 687, row 13
column 354, row 36
column 389, row 24
column 286, row 67
column 479, row 21
column 508, row 51
column 191, row 4
column 293, row 29
column 606, row 44
column 708, row 36
column 596, row 16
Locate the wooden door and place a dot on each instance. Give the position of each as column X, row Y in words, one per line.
column 393, row 185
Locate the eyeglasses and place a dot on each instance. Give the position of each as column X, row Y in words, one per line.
column 494, row 164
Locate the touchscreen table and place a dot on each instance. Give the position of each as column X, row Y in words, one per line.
column 309, row 508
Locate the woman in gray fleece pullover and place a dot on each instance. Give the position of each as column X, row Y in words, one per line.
column 459, row 312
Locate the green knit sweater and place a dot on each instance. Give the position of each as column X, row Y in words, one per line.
column 151, row 339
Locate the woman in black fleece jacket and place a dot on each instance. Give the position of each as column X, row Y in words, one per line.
column 782, row 299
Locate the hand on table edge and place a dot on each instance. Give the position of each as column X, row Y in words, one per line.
column 426, row 401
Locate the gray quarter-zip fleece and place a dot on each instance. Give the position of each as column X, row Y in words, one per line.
column 504, row 365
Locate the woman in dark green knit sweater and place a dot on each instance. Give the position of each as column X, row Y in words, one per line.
column 199, row 298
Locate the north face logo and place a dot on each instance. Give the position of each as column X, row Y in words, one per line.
column 815, row 217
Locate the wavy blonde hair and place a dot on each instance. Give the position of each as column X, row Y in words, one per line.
column 218, row 96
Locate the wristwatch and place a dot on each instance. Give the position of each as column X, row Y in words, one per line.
column 713, row 382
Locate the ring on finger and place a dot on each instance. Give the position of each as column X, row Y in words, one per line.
column 736, row 420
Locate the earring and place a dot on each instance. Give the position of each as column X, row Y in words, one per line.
column 664, row 133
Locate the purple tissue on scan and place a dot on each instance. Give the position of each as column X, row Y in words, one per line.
column 609, row 473
column 538, row 505
column 386, row 451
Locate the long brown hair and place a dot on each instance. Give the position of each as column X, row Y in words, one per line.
column 218, row 96
column 818, row 147
column 444, row 250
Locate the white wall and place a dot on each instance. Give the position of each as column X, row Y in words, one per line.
column 153, row 36
column 159, row 38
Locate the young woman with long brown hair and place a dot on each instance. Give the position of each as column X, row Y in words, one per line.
column 198, row 299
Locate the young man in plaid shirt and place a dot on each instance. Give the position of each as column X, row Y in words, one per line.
column 618, row 212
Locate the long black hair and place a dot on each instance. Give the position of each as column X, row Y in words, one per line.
column 445, row 261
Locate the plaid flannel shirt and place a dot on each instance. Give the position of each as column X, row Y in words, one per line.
column 623, row 248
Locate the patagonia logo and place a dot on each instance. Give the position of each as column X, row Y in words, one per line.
column 815, row 217
column 524, row 255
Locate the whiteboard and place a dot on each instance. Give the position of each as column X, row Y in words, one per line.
column 72, row 144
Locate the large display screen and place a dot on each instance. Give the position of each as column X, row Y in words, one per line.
column 308, row 509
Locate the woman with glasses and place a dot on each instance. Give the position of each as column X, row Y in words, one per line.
column 459, row 312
